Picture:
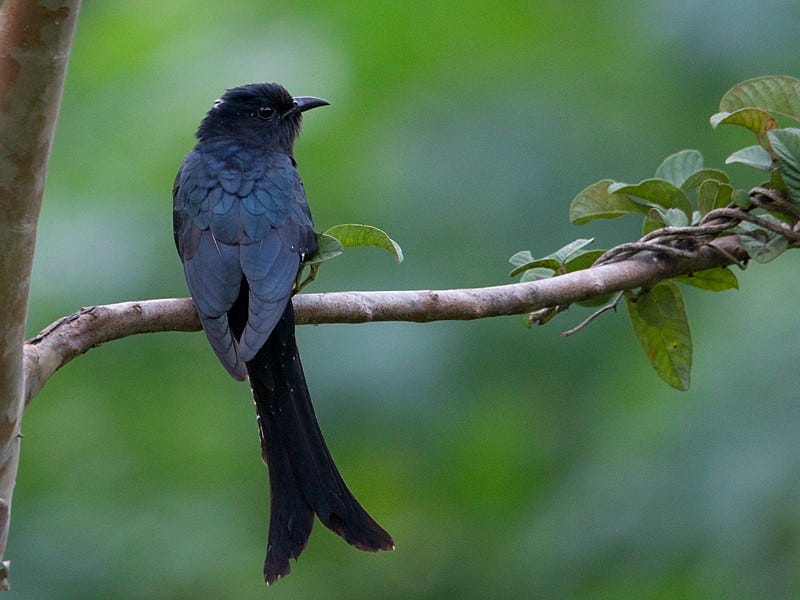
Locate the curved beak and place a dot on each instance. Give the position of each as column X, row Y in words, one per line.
column 304, row 103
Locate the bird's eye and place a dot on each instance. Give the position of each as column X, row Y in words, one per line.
column 264, row 112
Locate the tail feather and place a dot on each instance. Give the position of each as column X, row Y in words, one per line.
column 290, row 516
column 304, row 479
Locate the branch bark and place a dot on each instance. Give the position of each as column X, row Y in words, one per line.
column 35, row 40
column 75, row 334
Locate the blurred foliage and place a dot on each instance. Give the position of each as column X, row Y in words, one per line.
column 504, row 462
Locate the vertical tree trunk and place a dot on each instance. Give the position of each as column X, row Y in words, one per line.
column 35, row 40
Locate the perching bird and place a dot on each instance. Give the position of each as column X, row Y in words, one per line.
column 242, row 227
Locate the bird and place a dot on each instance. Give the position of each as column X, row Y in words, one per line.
column 242, row 228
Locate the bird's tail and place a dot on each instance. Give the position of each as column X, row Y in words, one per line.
column 303, row 477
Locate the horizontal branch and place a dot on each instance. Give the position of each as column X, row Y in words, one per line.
column 73, row 335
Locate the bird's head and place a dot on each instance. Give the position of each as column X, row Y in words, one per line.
column 263, row 114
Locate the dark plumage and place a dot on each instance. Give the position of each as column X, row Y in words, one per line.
column 242, row 225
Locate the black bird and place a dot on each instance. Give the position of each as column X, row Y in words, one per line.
column 242, row 227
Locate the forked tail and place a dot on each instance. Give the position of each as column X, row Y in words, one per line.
column 303, row 477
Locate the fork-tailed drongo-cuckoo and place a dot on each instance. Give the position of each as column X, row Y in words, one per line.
column 242, row 227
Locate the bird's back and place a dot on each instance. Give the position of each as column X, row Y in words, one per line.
column 240, row 212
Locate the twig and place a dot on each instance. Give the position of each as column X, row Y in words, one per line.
column 542, row 316
column 672, row 233
column 775, row 201
column 595, row 314
column 738, row 215
column 624, row 251
column 665, row 241
column 742, row 264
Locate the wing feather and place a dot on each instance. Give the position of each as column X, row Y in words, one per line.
column 240, row 216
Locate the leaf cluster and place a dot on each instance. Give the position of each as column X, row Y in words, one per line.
column 333, row 241
column 683, row 197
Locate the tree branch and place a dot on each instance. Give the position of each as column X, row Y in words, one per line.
column 75, row 334
column 35, row 40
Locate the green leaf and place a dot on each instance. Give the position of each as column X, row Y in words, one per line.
column 761, row 245
column 552, row 261
column 741, row 198
column 565, row 252
column 547, row 263
column 522, row 257
column 582, row 260
column 328, row 247
column 595, row 202
column 786, row 143
column 752, row 156
column 713, row 194
column 774, row 94
column 675, row 218
column 658, row 218
column 652, row 221
column 656, row 192
column 659, row 322
column 776, row 181
column 756, row 120
column 697, row 179
column 536, row 274
column 365, row 235
column 715, row 280
column 678, row 167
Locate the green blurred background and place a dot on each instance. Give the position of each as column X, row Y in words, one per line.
column 505, row 462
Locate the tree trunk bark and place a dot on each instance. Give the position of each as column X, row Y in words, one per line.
column 35, row 40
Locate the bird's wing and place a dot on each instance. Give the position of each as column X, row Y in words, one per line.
column 276, row 220
column 240, row 214
column 211, row 265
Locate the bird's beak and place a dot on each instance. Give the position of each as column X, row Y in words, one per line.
column 304, row 103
